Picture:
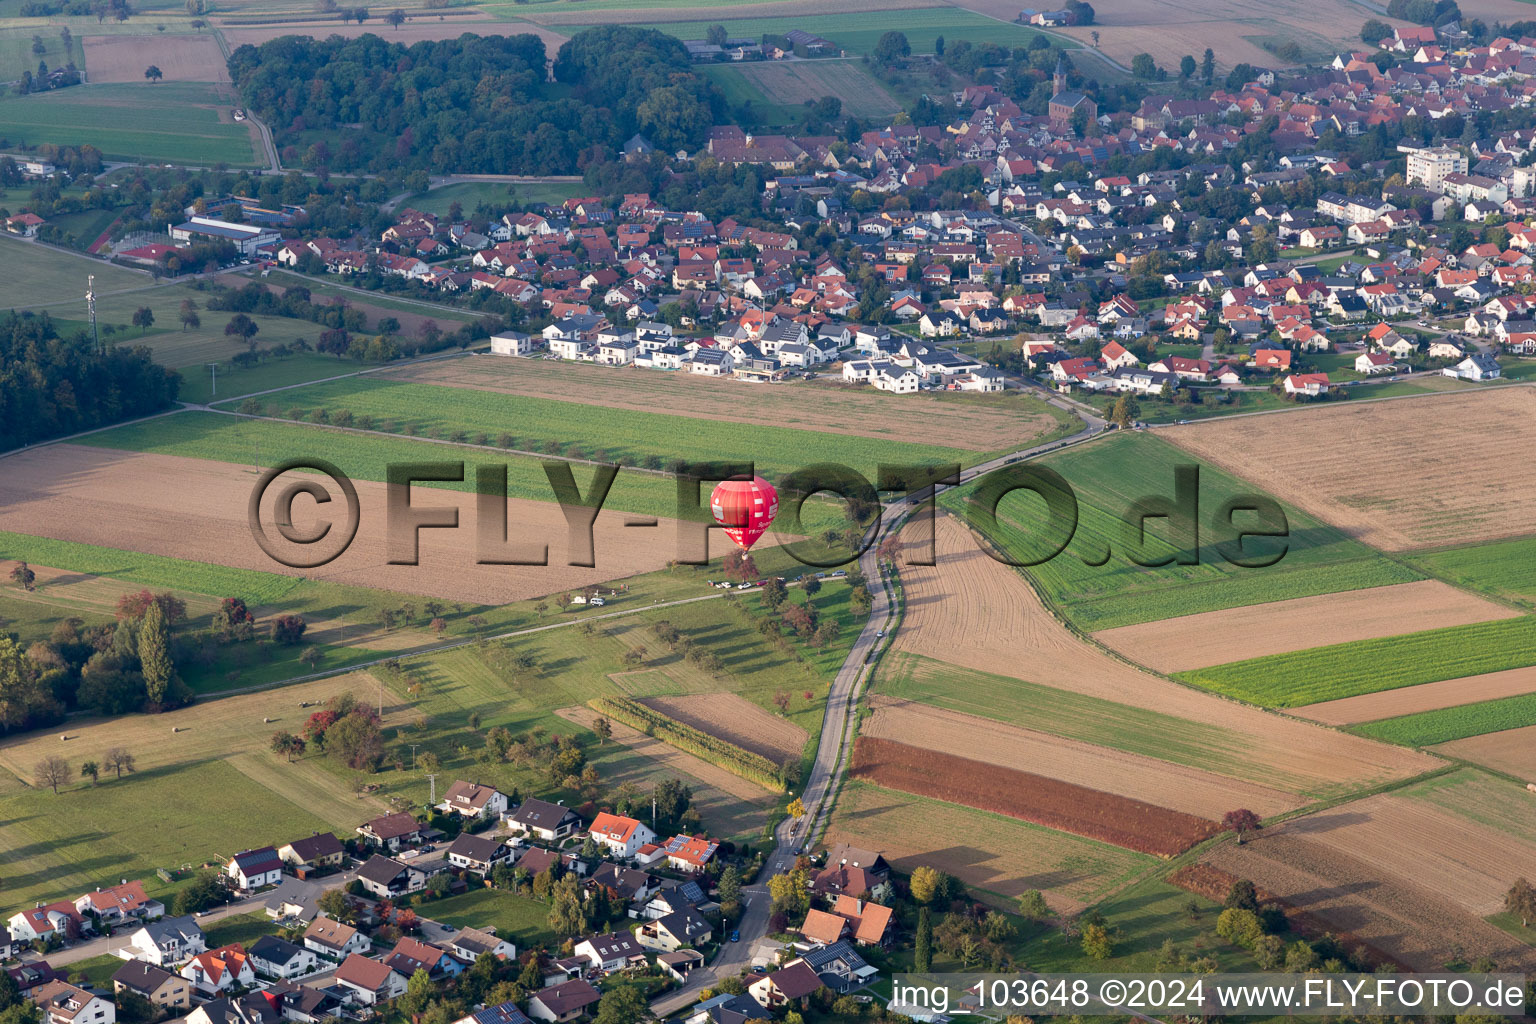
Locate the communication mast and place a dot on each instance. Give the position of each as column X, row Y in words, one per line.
column 90, row 308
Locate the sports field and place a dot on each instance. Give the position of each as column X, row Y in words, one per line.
column 171, row 122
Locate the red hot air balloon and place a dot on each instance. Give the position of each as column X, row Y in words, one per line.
column 744, row 508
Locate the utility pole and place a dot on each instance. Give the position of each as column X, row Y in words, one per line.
column 413, row 756
column 214, row 369
column 432, row 784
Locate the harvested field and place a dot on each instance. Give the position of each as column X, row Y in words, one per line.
column 1254, row 631
column 1168, row 29
column 975, row 426
column 800, row 82
column 1410, row 700
column 1352, row 892
column 1512, row 751
column 1364, row 467
column 1132, row 776
column 972, row 610
column 196, row 509
column 182, row 58
column 989, row 852
column 731, row 804
column 736, row 720
column 1117, row 820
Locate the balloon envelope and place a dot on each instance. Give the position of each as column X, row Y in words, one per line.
column 744, row 508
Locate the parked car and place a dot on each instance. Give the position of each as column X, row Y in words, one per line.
column 735, row 935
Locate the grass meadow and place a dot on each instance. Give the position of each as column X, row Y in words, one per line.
column 1108, row 477
column 1503, row 569
column 858, row 32
column 170, row 122
column 1367, row 666
column 471, row 194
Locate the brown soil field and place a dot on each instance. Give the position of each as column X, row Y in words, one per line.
column 1512, row 751
column 183, row 58
column 414, row 31
column 196, row 509
column 1169, row 29
column 1372, row 468
column 1352, row 892
column 1133, row 776
column 989, row 852
column 729, row 804
column 735, row 719
column 976, row 426
column 573, row 14
column 1236, row 634
column 972, row 610
column 1132, row 824
column 1410, row 700
column 1467, row 862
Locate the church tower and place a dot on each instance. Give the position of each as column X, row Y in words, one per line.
column 1059, row 79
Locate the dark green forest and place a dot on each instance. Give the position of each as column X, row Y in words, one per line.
column 476, row 104
column 52, row 386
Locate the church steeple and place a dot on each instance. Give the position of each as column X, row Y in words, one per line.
column 1059, row 79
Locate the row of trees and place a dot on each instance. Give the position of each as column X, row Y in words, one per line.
column 53, row 772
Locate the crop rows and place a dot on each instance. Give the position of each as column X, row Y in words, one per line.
column 608, row 433
column 1113, row 819
column 1368, row 666
column 721, row 753
column 1446, row 724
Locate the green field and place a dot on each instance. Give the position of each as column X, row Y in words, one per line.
column 437, row 410
column 859, row 32
column 1108, row 476
column 169, row 122
column 87, row 836
column 1505, row 569
column 1367, row 666
column 1079, row 717
column 521, row 920
column 778, row 91
column 16, row 54
column 1478, row 796
column 1456, row 723
column 470, row 194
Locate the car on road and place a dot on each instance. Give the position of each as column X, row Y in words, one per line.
column 743, row 586
column 879, row 632
column 449, row 928
column 735, row 935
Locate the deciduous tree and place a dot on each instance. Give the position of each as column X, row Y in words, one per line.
column 52, row 772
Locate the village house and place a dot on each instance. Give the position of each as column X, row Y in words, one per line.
column 786, row 986
column 249, row 1008
column 335, row 939
column 392, row 831
column 219, row 970
column 321, row 850
column 369, row 982
column 386, row 878
column 683, row 928
column 1309, row 385
column 120, row 903
column 621, row 836
column 168, row 941
column 63, row 1003
column 472, row 800
column 249, row 870
column 501, row 1013
column 1475, row 367
column 50, row 921
column 547, row 821
column 1374, row 362
column 273, row 957
column 611, row 952
column 563, row 1002
column 411, row 955
column 470, row 944
column 479, row 854
column 690, row 853
column 156, row 984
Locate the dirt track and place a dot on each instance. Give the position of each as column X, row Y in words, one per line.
column 1393, row 474
column 1236, row 634
column 976, row 426
column 196, row 509
column 737, row 720
column 973, row 611
column 1410, row 700
column 1111, row 771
